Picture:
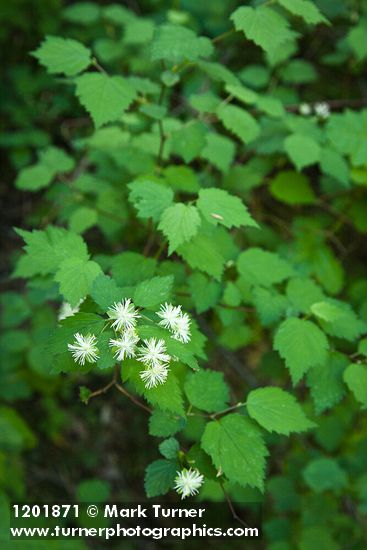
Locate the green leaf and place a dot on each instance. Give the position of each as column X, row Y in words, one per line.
column 82, row 13
column 105, row 97
column 355, row 377
column 153, row 292
column 338, row 319
column 276, row 410
column 159, row 477
column 302, row 293
column 302, row 150
column 205, row 254
column 322, row 474
column 34, row 178
column 106, row 359
column 218, row 206
column 105, row 292
column 150, row 198
column 305, row 9
column 302, row 345
column 139, row 31
column 169, row 448
column 176, row 43
column 205, row 293
column 260, row 267
column 83, row 218
column 270, row 305
column 179, row 223
column 219, row 151
column 75, row 277
column 326, row 382
column 80, row 322
column 189, row 141
column 239, row 122
column 263, row 25
column 63, row 55
column 207, row 390
column 333, row 164
column 45, row 250
column 237, row 449
column 164, row 424
column 292, row 188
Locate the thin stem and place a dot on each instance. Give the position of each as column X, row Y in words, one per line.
column 100, row 391
column 223, row 36
column 229, row 409
column 98, row 66
column 231, row 507
column 132, row 398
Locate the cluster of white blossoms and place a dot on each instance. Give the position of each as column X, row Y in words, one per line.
column 188, row 482
column 321, row 109
column 152, row 352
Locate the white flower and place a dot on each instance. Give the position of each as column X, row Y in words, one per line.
column 84, row 348
column 66, row 310
column 182, row 329
column 174, row 320
column 169, row 315
column 153, row 353
column 322, row 110
column 124, row 313
column 154, row 375
column 188, row 482
column 125, row 345
column 305, row 109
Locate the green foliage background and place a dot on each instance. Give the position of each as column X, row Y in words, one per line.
column 178, row 151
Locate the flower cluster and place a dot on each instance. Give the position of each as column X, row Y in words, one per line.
column 152, row 353
column 321, row 110
column 187, row 482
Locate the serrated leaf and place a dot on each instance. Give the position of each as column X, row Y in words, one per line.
column 207, row 390
column 263, row 25
column 270, row 305
column 205, row 292
column 80, row 322
column 130, row 268
column 218, row 206
column 237, row 449
column 150, row 198
column 203, row 253
column 189, row 141
column 179, row 223
column 219, row 151
column 105, row 97
column 159, row 477
column 302, row 293
column 260, row 267
column 169, row 448
column 355, row 377
column 75, row 277
column 45, row 250
column 305, row 9
column 63, row 55
column 105, row 291
column 302, row 150
column 239, row 122
column 338, row 319
column 152, row 292
column 176, row 43
column 302, row 345
column 277, row 410
column 164, row 424
column 326, row 382
column 83, row 218
column 322, row 474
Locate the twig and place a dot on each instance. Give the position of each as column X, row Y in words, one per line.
column 132, row 398
column 231, row 507
column 227, row 410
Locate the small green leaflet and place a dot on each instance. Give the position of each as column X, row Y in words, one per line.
column 150, row 198
column 305, row 9
column 45, row 250
column 82, row 13
column 176, row 43
column 169, row 448
column 105, row 291
column 326, row 382
column 355, row 377
column 203, row 252
column 205, row 293
column 302, row 345
column 219, row 151
column 207, row 390
column 270, row 305
column 105, row 97
column 302, row 293
column 263, row 25
column 164, row 424
column 83, row 218
column 338, row 319
column 75, row 277
column 322, row 474
column 237, row 449
column 277, row 410
column 239, row 122
column 159, row 477
column 302, row 150
column 153, row 292
column 63, row 55
column 189, row 141
column 52, row 161
column 218, row 206
column 260, row 267
column 130, row 268
column 179, row 223
column 292, row 188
